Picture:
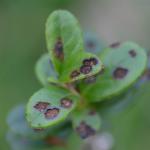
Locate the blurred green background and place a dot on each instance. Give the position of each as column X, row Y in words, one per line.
column 22, row 41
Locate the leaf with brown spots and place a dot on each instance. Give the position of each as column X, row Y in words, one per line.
column 49, row 106
column 85, row 124
column 66, row 47
column 18, row 125
column 123, row 67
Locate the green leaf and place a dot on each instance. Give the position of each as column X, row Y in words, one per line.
column 86, row 123
column 49, row 106
column 66, row 47
column 119, row 103
column 45, row 71
column 17, row 142
column 124, row 64
column 18, row 124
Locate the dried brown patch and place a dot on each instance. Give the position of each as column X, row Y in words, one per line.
column 58, row 50
column 132, row 53
column 41, row 106
column 85, row 69
column 85, row 130
column 120, row 73
column 75, row 73
column 51, row 113
column 115, row 45
column 66, row 103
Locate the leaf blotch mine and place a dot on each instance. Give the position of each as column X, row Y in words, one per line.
column 75, row 74
column 115, row 45
column 51, row 113
column 85, row 130
column 58, row 50
column 66, row 103
column 120, row 73
column 41, row 106
column 132, row 53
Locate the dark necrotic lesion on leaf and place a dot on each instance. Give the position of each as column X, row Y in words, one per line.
column 85, row 69
column 115, row 45
column 66, row 103
column 75, row 73
column 84, row 130
column 132, row 53
column 90, row 62
column 58, row 50
column 120, row 73
column 92, row 79
column 41, row 106
column 51, row 113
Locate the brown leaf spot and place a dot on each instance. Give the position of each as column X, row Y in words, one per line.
column 115, row 45
column 75, row 73
column 41, row 106
column 66, row 103
column 86, row 62
column 51, row 113
column 85, row 69
column 58, row 50
column 90, row 62
column 120, row 73
column 85, row 130
column 132, row 53
column 93, row 61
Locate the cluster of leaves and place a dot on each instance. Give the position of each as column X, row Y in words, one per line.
column 80, row 80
